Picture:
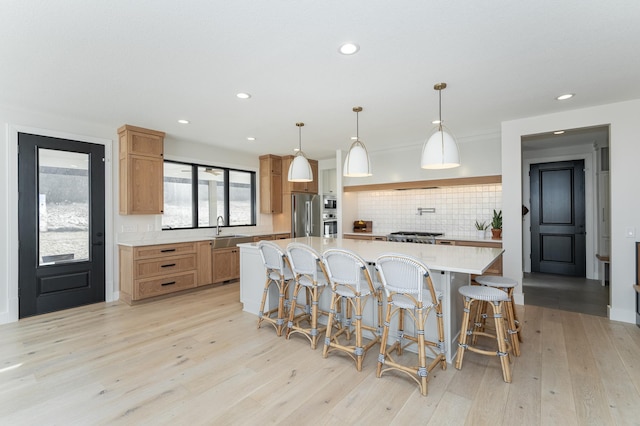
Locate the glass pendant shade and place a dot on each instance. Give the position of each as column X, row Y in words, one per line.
column 440, row 151
column 300, row 169
column 357, row 163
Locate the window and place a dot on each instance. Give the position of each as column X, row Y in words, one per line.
column 196, row 195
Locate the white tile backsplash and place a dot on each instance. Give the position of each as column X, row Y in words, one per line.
column 457, row 209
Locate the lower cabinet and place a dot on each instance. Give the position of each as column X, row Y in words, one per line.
column 205, row 271
column 148, row 271
column 226, row 264
column 367, row 237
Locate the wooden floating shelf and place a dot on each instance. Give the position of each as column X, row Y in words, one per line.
column 426, row 184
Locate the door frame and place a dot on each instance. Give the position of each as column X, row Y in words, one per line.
column 589, row 207
column 111, row 293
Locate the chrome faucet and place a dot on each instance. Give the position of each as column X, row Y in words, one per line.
column 218, row 224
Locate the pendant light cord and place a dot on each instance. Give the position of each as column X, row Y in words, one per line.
column 440, row 108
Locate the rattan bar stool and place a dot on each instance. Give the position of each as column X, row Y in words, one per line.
column 496, row 299
column 351, row 283
column 507, row 285
column 410, row 296
column 310, row 276
column 279, row 274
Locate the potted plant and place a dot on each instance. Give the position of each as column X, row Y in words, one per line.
column 496, row 225
column 481, row 228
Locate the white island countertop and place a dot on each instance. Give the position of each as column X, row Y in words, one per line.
column 463, row 259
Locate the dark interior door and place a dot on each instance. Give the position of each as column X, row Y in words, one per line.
column 558, row 218
column 60, row 224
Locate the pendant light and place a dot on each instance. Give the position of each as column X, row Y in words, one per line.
column 300, row 169
column 357, row 163
column 441, row 150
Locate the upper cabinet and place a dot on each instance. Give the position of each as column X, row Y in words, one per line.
column 270, row 184
column 141, row 170
column 329, row 181
column 289, row 187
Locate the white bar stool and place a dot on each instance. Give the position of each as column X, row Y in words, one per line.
column 410, row 296
column 278, row 271
column 310, row 276
column 507, row 285
column 496, row 299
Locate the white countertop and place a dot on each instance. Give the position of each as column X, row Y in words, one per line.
column 468, row 260
column 163, row 240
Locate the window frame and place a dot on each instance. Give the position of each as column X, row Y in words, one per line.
column 226, row 190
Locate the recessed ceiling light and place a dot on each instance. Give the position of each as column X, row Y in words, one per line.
column 349, row 48
column 243, row 95
column 558, row 132
column 183, row 121
column 251, row 138
column 565, row 96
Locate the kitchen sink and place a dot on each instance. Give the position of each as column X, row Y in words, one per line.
column 223, row 241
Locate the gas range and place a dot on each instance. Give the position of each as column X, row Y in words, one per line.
column 414, row 237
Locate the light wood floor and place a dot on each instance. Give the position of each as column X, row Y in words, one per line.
column 198, row 359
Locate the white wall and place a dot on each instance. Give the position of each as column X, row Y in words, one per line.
column 479, row 156
column 624, row 146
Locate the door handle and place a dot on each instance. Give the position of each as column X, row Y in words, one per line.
column 98, row 243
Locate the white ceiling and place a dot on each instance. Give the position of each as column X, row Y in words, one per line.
column 152, row 62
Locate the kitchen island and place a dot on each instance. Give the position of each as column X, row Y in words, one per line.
column 451, row 268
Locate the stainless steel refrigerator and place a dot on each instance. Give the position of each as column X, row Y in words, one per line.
column 305, row 215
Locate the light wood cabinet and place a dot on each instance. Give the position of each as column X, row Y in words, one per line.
column 205, row 268
column 283, row 236
column 270, row 184
column 226, row 264
column 308, row 187
column 257, row 238
column 366, row 237
column 141, row 156
column 148, row 271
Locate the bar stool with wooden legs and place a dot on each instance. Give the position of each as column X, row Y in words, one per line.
column 279, row 274
column 507, row 285
column 350, row 282
column 407, row 283
column 496, row 299
column 310, row 276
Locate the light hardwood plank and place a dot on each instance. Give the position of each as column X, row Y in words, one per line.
column 198, row 359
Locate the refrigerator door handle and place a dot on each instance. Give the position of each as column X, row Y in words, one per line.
column 307, row 207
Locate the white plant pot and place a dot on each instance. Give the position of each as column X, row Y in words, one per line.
column 480, row 234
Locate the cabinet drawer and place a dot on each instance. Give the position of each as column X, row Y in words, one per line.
column 164, row 265
column 143, row 252
column 164, row 285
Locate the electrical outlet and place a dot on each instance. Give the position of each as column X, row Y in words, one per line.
column 129, row 228
column 150, row 227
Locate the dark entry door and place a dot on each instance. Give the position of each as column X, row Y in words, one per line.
column 558, row 218
column 60, row 224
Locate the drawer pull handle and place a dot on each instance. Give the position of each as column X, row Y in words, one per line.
column 167, row 250
column 168, row 266
column 445, row 243
column 169, row 283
